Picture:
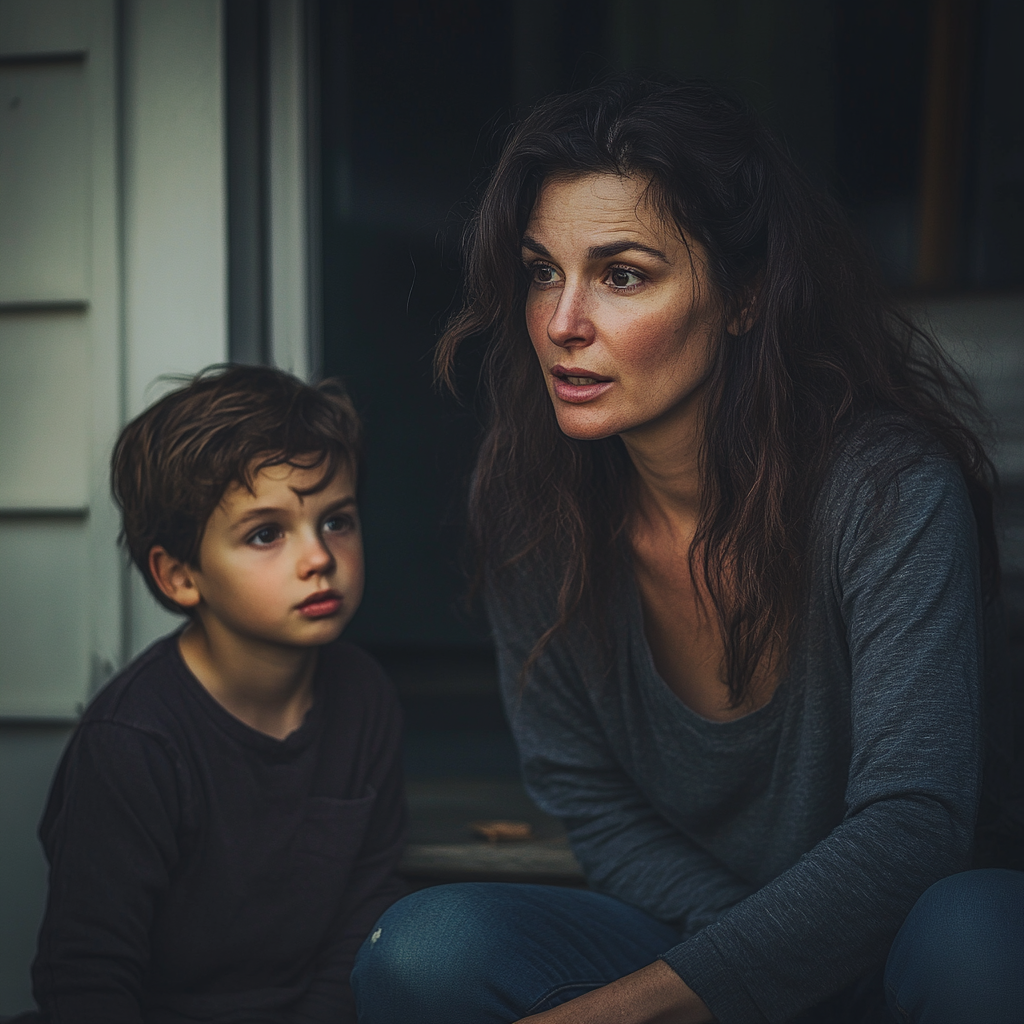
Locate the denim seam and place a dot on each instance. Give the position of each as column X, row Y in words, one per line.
column 896, row 1002
column 562, row 988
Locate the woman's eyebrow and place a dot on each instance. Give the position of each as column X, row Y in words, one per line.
column 603, row 252
column 534, row 246
column 600, row 252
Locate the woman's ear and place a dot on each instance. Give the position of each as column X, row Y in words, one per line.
column 175, row 579
column 744, row 319
column 745, row 310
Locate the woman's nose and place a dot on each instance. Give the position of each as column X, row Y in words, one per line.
column 571, row 324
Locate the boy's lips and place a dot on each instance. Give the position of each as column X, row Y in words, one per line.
column 575, row 384
column 323, row 602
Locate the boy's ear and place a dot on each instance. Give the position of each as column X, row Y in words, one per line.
column 174, row 578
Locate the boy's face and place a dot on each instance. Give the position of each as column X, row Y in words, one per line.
column 278, row 567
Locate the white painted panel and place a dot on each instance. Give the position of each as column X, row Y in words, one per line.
column 986, row 337
column 44, row 182
column 106, row 566
column 44, row 410
column 47, row 26
column 175, row 229
column 44, row 617
column 289, row 295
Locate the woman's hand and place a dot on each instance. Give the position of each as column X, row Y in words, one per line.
column 652, row 995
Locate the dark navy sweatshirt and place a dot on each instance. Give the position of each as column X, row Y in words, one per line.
column 787, row 845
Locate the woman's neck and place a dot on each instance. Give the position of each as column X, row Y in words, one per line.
column 666, row 456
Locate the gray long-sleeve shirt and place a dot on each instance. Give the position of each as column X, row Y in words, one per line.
column 789, row 844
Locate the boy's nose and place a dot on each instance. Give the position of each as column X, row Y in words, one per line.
column 315, row 557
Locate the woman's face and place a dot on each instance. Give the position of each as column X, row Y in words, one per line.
column 619, row 311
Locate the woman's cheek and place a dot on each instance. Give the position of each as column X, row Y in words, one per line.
column 641, row 343
column 536, row 324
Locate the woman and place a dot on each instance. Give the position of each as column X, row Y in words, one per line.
column 737, row 549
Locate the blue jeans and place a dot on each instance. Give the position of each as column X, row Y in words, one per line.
column 490, row 953
column 960, row 953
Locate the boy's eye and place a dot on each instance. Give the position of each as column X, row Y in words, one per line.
column 339, row 524
column 265, row 535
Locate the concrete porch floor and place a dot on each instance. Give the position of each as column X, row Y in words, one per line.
column 461, row 766
column 443, row 848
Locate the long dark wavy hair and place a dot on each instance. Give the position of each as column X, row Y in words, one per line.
column 826, row 343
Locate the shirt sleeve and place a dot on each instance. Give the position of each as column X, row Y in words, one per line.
column 109, row 835
column 905, row 578
column 374, row 882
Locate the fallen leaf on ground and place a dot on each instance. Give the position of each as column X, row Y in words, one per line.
column 502, row 831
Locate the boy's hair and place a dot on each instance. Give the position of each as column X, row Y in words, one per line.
column 172, row 464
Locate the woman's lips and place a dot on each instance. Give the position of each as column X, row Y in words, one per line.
column 317, row 606
column 575, row 384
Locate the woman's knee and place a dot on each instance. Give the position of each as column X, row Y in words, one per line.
column 958, row 955
column 430, row 952
column 426, row 935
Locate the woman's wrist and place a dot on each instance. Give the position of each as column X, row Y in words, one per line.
column 653, row 995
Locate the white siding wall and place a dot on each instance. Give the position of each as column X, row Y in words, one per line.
column 60, row 605
column 112, row 273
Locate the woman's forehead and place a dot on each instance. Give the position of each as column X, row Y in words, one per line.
column 612, row 194
column 599, row 209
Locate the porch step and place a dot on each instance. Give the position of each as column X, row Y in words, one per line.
column 443, row 848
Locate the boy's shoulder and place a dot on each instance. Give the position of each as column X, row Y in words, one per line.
column 142, row 694
column 157, row 695
column 356, row 684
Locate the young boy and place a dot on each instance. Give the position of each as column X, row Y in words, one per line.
column 226, row 823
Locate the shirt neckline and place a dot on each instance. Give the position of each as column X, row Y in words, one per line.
column 751, row 722
column 296, row 741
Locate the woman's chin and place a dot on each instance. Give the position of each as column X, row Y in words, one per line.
column 587, row 427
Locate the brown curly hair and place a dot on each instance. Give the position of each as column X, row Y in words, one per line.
column 828, row 345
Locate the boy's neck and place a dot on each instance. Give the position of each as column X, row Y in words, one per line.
column 267, row 686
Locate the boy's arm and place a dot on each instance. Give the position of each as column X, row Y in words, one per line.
column 109, row 834
column 374, row 883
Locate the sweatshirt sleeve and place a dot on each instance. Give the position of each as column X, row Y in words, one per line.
column 109, row 835
column 905, row 578
column 624, row 846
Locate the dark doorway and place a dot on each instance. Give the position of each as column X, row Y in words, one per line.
column 415, row 96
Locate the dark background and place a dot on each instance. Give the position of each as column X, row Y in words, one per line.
column 910, row 111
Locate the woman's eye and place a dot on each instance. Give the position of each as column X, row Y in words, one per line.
column 620, row 277
column 264, row 536
column 543, row 274
column 339, row 524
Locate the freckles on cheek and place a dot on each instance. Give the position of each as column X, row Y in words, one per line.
column 645, row 342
